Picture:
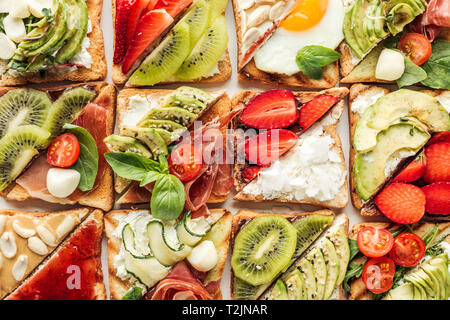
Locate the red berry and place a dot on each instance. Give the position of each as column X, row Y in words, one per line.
column 438, row 162
column 438, row 198
column 314, row 109
column 413, row 171
column 250, row 173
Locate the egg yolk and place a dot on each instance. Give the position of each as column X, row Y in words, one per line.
column 306, row 15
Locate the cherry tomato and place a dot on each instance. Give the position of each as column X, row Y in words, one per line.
column 374, row 242
column 185, row 162
column 415, row 46
column 378, row 274
column 63, row 151
column 408, row 250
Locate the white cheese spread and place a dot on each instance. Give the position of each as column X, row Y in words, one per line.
column 395, row 159
column 367, row 99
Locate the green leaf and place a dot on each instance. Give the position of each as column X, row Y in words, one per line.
column 168, row 198
column 135, row 293
column 437, row 66
column 150, row 177
column 354, row 249
column 87, row 163
column 163, row 164
column 413, row 74
column 130, row 165
column 354, row 270
column 311, row 59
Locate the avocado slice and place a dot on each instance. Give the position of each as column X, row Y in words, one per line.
column 307, row 271
column 349, row 36
column 116, row 143
column 295, row 284
column 317, row 261
column 333, row 267
column 433, row 273
column 162, row 124
column 358, row 18
column 340, row 242
column 176, row 114
column 279, row 291
column 369, row 167
column 402, row 14
column 421, row 278
column 79, row 31
column 150, row 137
column 403, row 292
column 367, row 67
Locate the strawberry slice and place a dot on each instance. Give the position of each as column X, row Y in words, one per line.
column 268, row 146
column 438, row 162
column 136, row 13
column 273, row 109
column 440, row 137
column 250, row 173
column 401, row 202
column 413, row 171
column 150, row 27
column 151, row 5
column 173, row 7
column 314, row 109
column 438, row 198
column 123, row 9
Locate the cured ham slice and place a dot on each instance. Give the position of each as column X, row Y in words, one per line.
column 181, row 284
column 433, row 20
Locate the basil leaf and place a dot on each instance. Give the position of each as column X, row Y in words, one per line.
column 437, row 66
column 311, row 59
column 150, row 177
column 130, row 165
column 87, row 163
column 413, row 74
column 354, row 270
column 163, row 164
column 134, row 293
column 168, row 198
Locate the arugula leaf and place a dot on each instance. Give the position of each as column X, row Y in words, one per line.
column 311, row 59
column 130, row 165
column 354, row 270
column 354, row 249
column 87, row 163
column 398, row 231
column 135, row 293
column 413, row 74
column 437, row 66
column 428, row 238
column 168, row 198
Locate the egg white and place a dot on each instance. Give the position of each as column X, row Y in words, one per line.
column 278, row 54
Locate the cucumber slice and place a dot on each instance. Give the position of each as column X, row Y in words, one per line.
column 191, row 231
column 146, row 271
column 130, row 245
column 165, row 244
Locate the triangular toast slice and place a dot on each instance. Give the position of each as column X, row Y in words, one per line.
column 219, row 235
column 327, row 124
column 35, row 235
column 72, row 271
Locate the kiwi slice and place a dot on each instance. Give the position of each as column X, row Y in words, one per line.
column 217, row 7
column 245, row 291
column 162, row 124
column 166, row 59
column 21, row 107
column 206, row 53
column 309, row 229
column 150, row 137
column 178, row 115
column 18, row 148
column 263, row 248
column 66, row 108
column 197, row 18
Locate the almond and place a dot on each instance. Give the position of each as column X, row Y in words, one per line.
column 8, row 245
column 20, row 267
column 23, row 232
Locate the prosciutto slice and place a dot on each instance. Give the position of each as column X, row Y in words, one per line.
column 181, row 284
column 433, row 20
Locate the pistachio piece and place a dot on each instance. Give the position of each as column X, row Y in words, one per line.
column 8, row 245
column 2, row 223
column 19, row 268
column 23, row 232
column 37, row 246
column 65, row 227
column 258, row 16
column 46, row 236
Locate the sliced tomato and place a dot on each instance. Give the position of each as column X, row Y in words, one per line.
column 268, row 146
column 273, row 109
column 415, row 46
column 408, row 250
column 374, row 242
column 378, row 274
column 63, row 151
column 185, row 162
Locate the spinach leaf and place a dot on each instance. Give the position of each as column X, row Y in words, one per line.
column 354, row 249
column 311, row 59
column 134, row 293
column 130, row 165
column 354, row 270
column 437, row 66
column 168, row 198
column 87, row 163
column 413, row 74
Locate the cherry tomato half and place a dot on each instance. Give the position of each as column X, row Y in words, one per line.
column 63, row 151
column 374, row 242
column 415, row 46
column 378, row 274
column 185, row 162
column 408, row 250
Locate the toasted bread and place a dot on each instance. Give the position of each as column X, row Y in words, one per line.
column 358, row 290
column 244, row 216
column 299, row 80
column 103, row 196
column 96, row 50
column 219, row 234
column 358, row 91
column 220, row 107
column 329, row 127
column 59, row 256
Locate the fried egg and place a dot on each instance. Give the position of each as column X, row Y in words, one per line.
column 312, row 22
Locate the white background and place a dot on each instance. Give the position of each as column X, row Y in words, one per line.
column 232, row 86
